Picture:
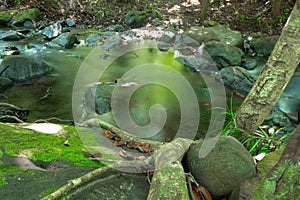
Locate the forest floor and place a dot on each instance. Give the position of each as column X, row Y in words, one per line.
column 245, row 16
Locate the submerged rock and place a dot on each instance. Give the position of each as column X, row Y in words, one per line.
column 98, row 99
column 224, row 55
column 12, row 113
column 11, row 35
column 5, row 83
column 20, row 67
column 226, row 166
column 238, row 79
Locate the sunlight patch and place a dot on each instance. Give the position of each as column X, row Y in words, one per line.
column 45, row 128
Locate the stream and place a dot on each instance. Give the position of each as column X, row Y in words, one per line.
column 50, row 97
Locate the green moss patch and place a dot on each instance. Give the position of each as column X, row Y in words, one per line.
column 22, row 142
column 33, row 14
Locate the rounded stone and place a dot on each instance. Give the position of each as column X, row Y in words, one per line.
column 226, row 166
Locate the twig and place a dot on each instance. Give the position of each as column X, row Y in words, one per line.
column 77, row 182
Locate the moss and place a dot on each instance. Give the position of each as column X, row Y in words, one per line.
column 175, row 183
column 11, row 171
column 33, row 14
column 37, row 146
column 283, row 184
column 13, row 13
column 268, row 162
column 5, row 16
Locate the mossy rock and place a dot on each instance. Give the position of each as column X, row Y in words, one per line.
column 268, row 162
column 33, row 14
column 4, row 18
column 226, row 166
column 201, row 34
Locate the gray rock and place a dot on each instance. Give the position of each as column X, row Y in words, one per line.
column 16, row 23
column 115, row 28
column 70, row 22
column 9, row 50
column 29, row 24
column 264, row 46
column 11, row 35
column 165, row 42
column 249, row 63
column 195, row 63
column 20, row 67
column 52, row 31
column 65, row 40
column 97, row 100
column 280, row 118
column 5, row 83
column 224, row 55
column 111, row 42
column 201, row 34
column 226, row 166
column 238, row 79
column 94, row 40
column 185, row 44
column 227, row 36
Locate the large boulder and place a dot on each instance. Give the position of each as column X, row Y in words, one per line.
column 201, row 34
column 238, row 79
column 226, row 166
column 224, row 55
column 265, row 45
column 20, row 67
column 227, row 36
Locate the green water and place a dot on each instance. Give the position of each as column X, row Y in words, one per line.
column 51, row 95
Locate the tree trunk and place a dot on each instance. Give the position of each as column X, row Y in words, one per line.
column 274, row 77
column 277, row 8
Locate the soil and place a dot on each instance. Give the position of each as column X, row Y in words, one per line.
column 245, row 16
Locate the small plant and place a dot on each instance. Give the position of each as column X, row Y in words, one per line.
column 282, row 19
column 135, row 17
column 263, row 140
column 241, row 16
column 286, row 11
column 156, row 14
column 259, row 21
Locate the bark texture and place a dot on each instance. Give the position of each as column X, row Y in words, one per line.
column 274, row 77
